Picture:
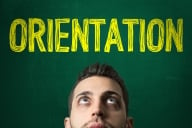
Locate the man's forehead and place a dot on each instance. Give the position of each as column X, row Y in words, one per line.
column 97, row 84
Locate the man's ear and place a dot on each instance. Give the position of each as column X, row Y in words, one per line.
column 129, row 122
column 67, row 122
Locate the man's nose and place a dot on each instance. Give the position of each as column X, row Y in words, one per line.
column 98, row 109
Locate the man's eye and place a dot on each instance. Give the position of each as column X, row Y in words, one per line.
column 111, row 100
column 84, row 100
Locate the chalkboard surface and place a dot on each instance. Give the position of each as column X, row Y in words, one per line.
column 34, row 85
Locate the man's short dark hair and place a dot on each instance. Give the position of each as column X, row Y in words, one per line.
column 100, row 70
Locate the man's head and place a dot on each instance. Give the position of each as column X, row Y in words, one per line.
column 99, row 99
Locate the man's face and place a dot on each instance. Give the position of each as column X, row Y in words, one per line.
column 97, row 103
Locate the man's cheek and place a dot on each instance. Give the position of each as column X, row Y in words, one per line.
column 116, row 117
column 78, row 122
column 79, row 118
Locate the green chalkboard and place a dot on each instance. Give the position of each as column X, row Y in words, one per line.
column 34, row 85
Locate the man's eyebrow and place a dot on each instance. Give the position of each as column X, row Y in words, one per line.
column 84, row 93
column 112, row 93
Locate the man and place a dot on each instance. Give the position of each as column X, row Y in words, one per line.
column 99, row 99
